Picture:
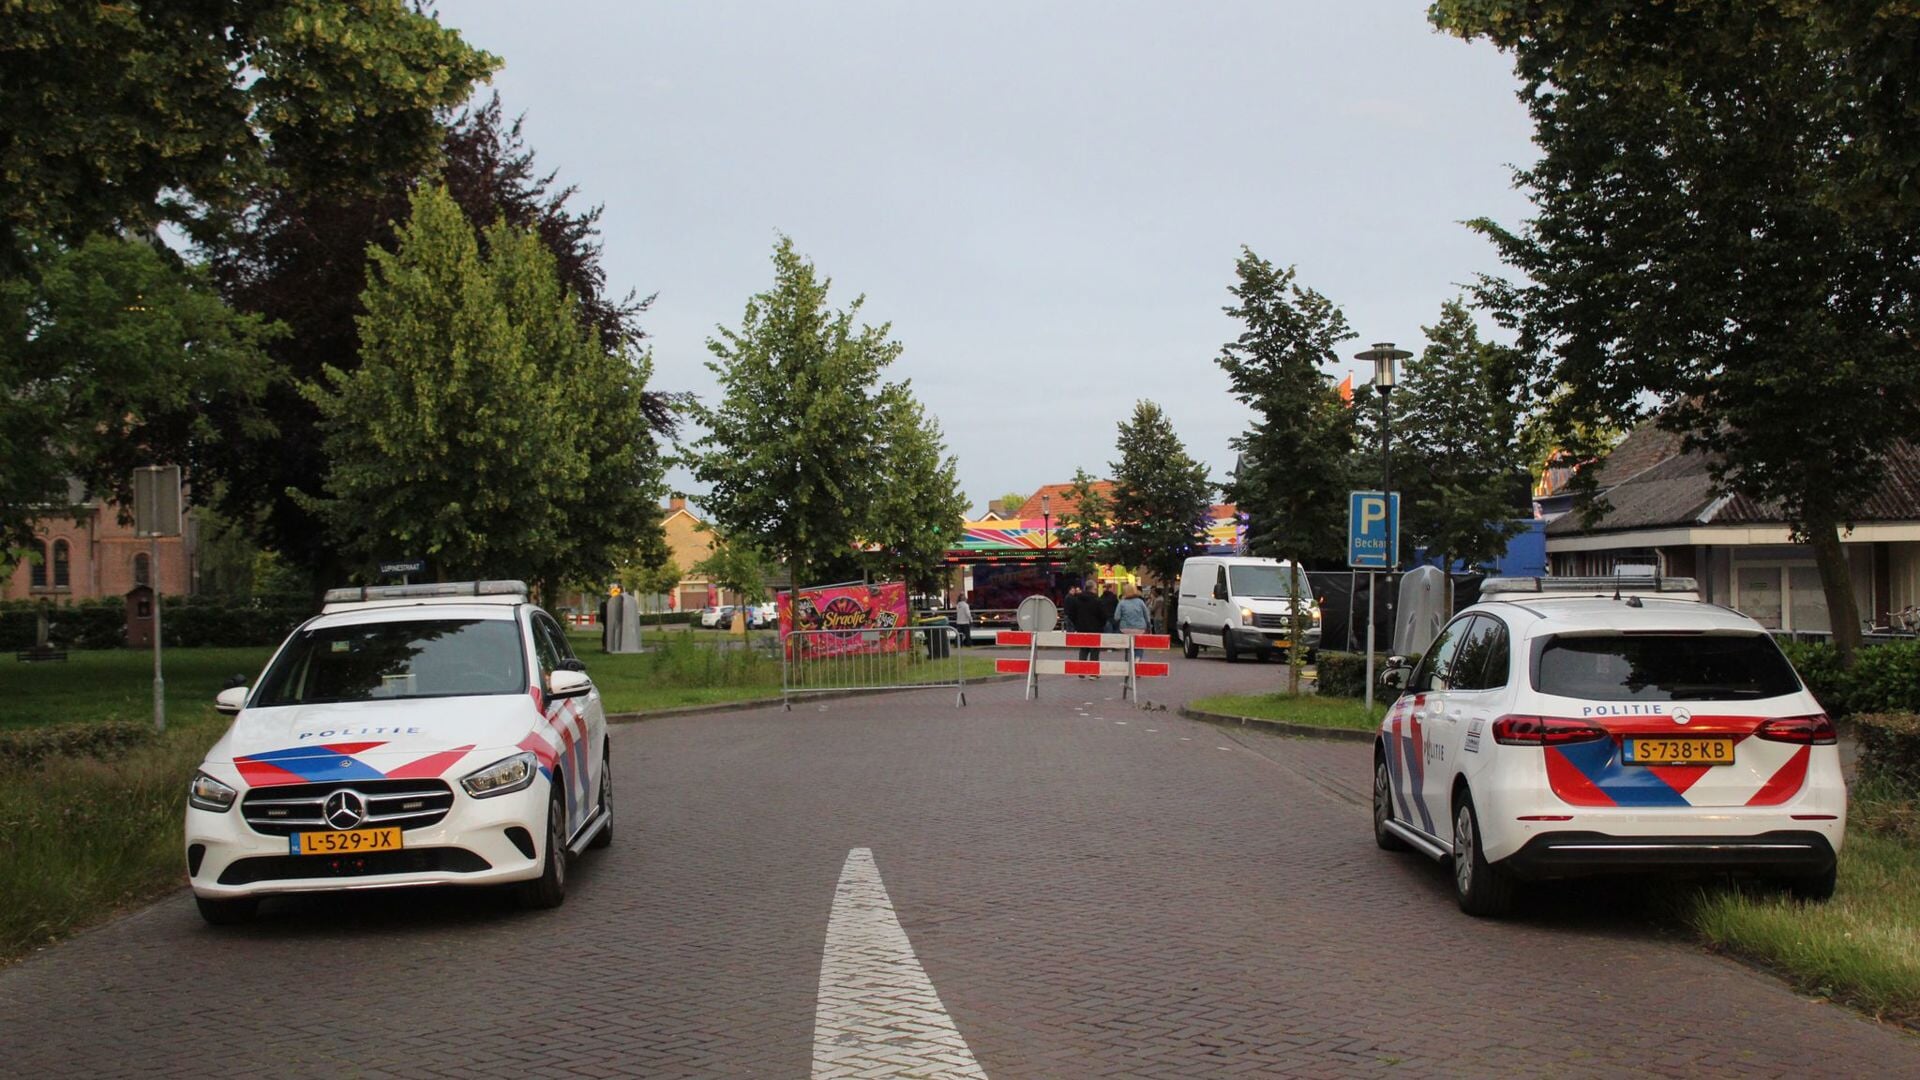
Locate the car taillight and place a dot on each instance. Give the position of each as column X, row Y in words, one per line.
column 1815, row 730
column 1544, row 731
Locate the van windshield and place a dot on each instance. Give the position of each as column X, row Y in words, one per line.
column 1259, row 582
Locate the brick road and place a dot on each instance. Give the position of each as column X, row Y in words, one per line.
column 1093, row 890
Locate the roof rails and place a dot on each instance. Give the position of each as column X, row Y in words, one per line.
column 1591, row 586
column 358, row 594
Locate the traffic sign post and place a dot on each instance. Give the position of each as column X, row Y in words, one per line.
column 1373, row 543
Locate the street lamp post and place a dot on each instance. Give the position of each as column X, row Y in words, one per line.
column 1383, row 356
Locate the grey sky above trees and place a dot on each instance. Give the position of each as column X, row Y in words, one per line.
column 1045, row 200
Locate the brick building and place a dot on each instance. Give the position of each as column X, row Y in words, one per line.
column 89, row 553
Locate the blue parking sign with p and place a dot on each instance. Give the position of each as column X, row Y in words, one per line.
column 1373, row 530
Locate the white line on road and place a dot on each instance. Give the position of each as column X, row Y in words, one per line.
column 878, row 1013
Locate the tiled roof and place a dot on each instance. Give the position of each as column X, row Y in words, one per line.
column 1649, row 490
column 1058, row 501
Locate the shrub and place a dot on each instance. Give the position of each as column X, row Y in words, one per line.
column 1885, row 678
column 79, row 624
column 1890, row 751
column 1344, row 674
column 27, row 747
column 204, row 620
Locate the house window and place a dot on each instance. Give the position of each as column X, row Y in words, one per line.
column 142, row 570
column 38, row 578
column 1782, row 596
column 62, row 556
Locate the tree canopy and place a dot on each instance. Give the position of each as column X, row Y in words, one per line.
column 795, row 449
column 1082, row 530
column 1161, row 496
column 1723, row 238
column 127, row 115
column 917, row 505
column 111, row 355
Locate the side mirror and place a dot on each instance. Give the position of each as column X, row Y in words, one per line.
column 565, row 684
column 231, row 700
column 1219, row 593
column 1395, row 678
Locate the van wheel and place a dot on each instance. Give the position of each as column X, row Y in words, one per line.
column 1187, row 648
column 1227, row 646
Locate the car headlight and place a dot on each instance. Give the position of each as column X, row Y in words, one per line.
column 206, row 793
column 502, row 777
column 1246, row 616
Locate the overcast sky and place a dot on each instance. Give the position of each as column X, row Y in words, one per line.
column 1045, row 199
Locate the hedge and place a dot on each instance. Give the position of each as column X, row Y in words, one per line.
column 1344, row 674
column 27, row 747
column 1890, row 749
column 1885, row 678
column 81, row 624
column 186, row 622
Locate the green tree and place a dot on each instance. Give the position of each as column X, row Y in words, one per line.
column 794, row 450
column 1460, row 461
column 485, row 426
column 1292, row 477
column 111, row 355
column 1162, row 498
column 917, row 505
column 123, row 115
column 651, row 580
column 1724, row 237
column 1010, row 503
column 1084, row 529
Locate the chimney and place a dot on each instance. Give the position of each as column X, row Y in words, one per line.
column 678, row 502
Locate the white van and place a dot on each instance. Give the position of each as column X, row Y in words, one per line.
column 1242, row 605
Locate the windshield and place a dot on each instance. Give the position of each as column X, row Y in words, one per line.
column 1266, row 582
column 1664, row 667
column 382, row 661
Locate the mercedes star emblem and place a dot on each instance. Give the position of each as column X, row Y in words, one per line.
column 1682, row 716
column 344, row 810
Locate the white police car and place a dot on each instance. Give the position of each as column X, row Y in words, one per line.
column 1579, row 726
column 408, row 735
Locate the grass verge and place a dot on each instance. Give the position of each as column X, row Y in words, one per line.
column 1309, row 710
column 1863, row 946
column 82, row 837
column 117, row 684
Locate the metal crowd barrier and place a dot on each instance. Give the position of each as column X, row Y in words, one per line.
column 891, row 658
column 1133, row 669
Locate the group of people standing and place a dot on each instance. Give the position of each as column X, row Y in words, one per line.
column 1104, row 612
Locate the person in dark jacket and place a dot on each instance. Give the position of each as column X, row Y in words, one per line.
column 1086, row 615
column 1109, row 601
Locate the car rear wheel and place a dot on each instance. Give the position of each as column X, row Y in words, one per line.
column 605, row 837
column 228, row 912
column 1383, row 806
column 1483, row 890
column 549, row 890
column 1187, row 647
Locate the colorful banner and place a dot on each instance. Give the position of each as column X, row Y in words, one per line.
column 850, row 612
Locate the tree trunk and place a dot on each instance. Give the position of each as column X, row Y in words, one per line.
column 1836, row 580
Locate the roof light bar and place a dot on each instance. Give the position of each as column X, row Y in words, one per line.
column 1624, row 583
column 355, row 594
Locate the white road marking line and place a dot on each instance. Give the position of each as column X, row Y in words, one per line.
column 877, row 1013
column 1122, row 723
column 1183, row 738
column 1223, row 748
column 1153, row 729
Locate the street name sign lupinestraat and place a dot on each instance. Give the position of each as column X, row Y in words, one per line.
column 404, row 566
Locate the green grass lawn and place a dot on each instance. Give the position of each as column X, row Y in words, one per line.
column 1310, row 710
column 1863, row 946
column 117, row 684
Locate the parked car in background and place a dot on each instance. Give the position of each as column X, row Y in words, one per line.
column 716, row 617
column 763, row 616
column 1568, row 727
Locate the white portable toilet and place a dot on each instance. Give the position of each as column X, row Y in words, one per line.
column 1421, row 609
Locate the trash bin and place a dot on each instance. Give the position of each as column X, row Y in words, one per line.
column 938, row 640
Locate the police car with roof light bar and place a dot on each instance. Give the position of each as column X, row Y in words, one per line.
column 1574, row 726
column 407, row 735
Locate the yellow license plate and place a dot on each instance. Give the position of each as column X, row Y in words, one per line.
column 1679, row 751
column 345, row 842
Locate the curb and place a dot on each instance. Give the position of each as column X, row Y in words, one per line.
column 765, row 702
column 1280, row 727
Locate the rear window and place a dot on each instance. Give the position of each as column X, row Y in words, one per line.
column 1664, row 667
column 382, row 661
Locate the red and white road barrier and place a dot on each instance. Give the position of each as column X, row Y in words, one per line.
column 1131, row 669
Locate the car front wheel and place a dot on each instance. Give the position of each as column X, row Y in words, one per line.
column 549, row 890
column 1483, row 890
